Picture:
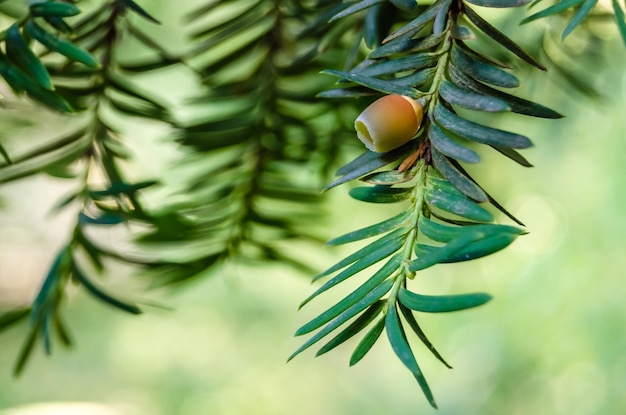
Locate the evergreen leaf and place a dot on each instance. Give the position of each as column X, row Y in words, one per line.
column 100, row 294
column 388, row 178
column 130, row 4
column 26, row 349
column 410, row 318
column 513, row 155
column 445, row 233
column 481, row 71
column 52, row 8
column 579, row 16
column 372, row 297
column 518, row 105
column 419, row 22
column 376, row 84
column 401, row 348
column 5, row 155
column 500, row 37
column 456, row 178
column 354, row 328
column 107, row 219
column 476, row 132
column 372, row 230
column 21, row 81
column 405, row 5
column 554, row 9
column 407, row 63
column 8, row 318
column 18, row 50
column 428, row 257
column 406, row 45
column 489, row 197
column 381, row 194
column 471, row 100
column 349, row 300
column 441, row 303
column 355, row 256
column 620, row 18
column 499, row 3
column 457, row 203
column 449, row 147
column 363, row 263
column 59, row 24
column 370, row 161
column 481, row 247
column 61, row 330
column 61, row 46
column 366, row 343
column 355, row 8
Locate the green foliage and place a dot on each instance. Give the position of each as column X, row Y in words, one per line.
column 271, row 128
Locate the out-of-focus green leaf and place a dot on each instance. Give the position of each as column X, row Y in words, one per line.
column 18, row 50
column 376, row 84
column 53, row 8
column 61, row 46
column 26, row 349
column 101, row 295
column 5, row 154
column 104, row 219
column 579, row 16
column 355, row 309
column 471, row 100
column 61, row 330
column 381, row 194
column 478, row 133
column 620, row 18
column 482, row 71
column 500, row 37
column 130, row 4
column 366, row 343
column 456, row 178
column 9, row 318
column 441, row 303
column 372, row 230
column 21, row 81
column 121, row 188
column 554, row 9
column 401, row 348
column 353, row 329
column 59, row 24
column 449, row 147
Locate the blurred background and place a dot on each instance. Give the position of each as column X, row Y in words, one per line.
column 551, row 342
